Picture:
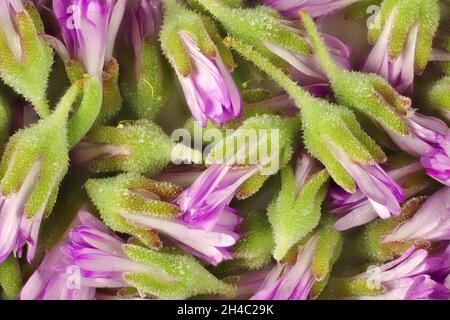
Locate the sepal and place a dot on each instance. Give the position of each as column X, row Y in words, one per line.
column 293, row 216
column 28, row 74
column 180, row 276
column 407, row 14
column 133, row 146
column 10, row 278
column 146, row 89
column 133, row 194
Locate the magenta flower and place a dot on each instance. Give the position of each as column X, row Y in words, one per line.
column 356, row 209
column 213, row 244
column 16, row 229
column 57, row 278
column 315, row 8
column 306, row 69
column 431, row 222
column 373, row 183
column 99, row 255
column 8, row 11
column 89, row 29
column 209, row 89
column 211, row 193
column 399, row 72
column 437, row 162
column 406, row 278
column 290, row 282
column 426, row 134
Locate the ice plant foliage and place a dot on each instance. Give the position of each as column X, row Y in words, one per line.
column 89, row 29
column 296, row 209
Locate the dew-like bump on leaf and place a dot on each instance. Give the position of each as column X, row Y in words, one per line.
column 29, row 76
column 10, row 279
column 369, row 239
column 134, row 194
column 293, row 216
column 407, row 13
column 254, row 249
column 5, row 119
column 368, row 93
column 438, row 96
column 274, row 138
column 30, row 146
column 148, row 148
column 147, row 89
column 183, row 276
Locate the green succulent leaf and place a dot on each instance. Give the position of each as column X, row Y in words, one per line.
column 184, row 276
column 145, row 148
column 10, row 278
column 29, row 149
column 407, row 13
column 28, row 76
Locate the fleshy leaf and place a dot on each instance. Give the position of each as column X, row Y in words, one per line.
column 146, row 90
column 189, row 277
column 28, row 77
column 10, row 278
